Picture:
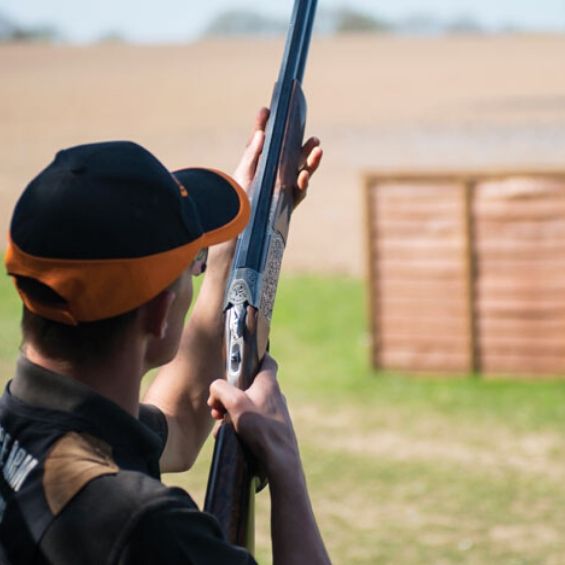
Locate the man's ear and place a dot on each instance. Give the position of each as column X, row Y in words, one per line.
column 156, row 312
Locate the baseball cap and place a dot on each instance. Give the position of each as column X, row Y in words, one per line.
column 107, row 227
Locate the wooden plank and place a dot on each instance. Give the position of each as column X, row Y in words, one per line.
column 427, row 310
column 527, row 295
column 528, row 270
column 410, row 255
column 515, row 364
column 430, row 207
column 510, row 249
column 420, row 191
column 431, row 361
column 425, row 242
column 496, row 325
column 436, row 265
column 426, row 303
column 406, row 275
column 519, row 188
column 535, row 310
column 371, row 269
column 437, row 227
column 528, row 347
column 526, row 267
column 403, row 322
column 420, row 286
column 528, row 210
column 502, row 282
column 410, row 214
column 521, row 232
column 544, row 239
column 424, row 342
column 518, row 336
column 436, row 294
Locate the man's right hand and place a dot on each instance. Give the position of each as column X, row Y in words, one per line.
column 260, row 417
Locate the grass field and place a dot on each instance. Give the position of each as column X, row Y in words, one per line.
column 401, row 470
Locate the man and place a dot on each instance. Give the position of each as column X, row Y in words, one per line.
column 103, row 246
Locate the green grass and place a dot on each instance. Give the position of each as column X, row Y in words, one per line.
column 10, row 308
column 401, row 469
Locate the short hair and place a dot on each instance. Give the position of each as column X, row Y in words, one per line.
column 85, row 342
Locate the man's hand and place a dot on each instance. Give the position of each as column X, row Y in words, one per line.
column 245, row 173
column 310, row 160
column 260, row 416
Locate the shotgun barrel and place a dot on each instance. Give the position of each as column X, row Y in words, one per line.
column 250, row 293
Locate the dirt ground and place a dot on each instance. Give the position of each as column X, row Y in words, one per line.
column 378, row 103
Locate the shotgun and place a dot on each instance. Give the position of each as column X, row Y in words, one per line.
column 250, row 293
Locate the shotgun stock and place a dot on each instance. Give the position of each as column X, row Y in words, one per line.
column 250, row 293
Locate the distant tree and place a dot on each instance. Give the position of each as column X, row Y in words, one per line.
column 7, row 28
column 328, row 21
column 419, row 24
column 511, row 28
column 244, row 22
column 464, row 24
column 40, row 33
column 348, row 20
column 10, row 31
column 111, row 37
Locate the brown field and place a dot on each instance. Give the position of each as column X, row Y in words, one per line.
column 378, row 103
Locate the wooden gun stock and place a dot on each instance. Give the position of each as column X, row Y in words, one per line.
column 234, row 474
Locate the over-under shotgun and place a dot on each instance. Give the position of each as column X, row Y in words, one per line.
column 251, row 288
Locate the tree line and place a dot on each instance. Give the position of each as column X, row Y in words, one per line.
column 240, row 22
column 12, row 31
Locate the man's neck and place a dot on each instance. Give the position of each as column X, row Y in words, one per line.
column 117, row 378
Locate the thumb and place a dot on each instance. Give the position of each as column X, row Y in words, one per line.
column 246, row 169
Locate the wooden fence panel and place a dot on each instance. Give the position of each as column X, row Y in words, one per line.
column 520, row 253
column 419, row 287
column 467, row 272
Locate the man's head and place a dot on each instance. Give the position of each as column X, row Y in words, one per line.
column 106, row 228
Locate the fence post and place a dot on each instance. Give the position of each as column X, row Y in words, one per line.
column 470, row 261
column 371, row 258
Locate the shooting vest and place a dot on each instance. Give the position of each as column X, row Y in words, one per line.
column 79, row 483
column 89, row 448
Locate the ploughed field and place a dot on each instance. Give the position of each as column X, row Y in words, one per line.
column 378, row 103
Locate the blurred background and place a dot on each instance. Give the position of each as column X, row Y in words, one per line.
column 402, row 469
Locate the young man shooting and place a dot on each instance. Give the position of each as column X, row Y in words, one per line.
column 103, row 246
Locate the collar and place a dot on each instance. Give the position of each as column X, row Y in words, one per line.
column 46, row 390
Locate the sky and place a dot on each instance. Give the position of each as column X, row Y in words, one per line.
column 159, row 21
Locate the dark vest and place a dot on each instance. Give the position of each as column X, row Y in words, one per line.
column 57, row 467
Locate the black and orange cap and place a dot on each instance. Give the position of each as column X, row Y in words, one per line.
column 107, row 227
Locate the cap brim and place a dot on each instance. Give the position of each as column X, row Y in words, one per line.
column 221, row 204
